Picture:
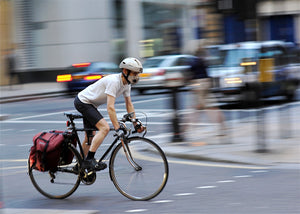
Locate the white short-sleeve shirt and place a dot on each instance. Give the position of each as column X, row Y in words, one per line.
column 96, row 94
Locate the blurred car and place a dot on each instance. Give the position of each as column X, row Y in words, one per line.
column 163, row 71
column 84, row 74
column 254, row 70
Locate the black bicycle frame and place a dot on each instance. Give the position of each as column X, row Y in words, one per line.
column 109, row 149
column 75, row 130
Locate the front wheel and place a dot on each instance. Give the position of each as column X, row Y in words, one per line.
column 140, row 171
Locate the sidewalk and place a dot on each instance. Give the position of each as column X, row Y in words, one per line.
column 279, row 142
column 29, row 91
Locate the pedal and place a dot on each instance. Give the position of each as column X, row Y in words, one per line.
column 89, row 177
column 88, row 174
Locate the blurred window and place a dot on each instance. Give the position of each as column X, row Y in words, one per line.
column 182, row 61
column 103, row 67
column 214, row 56
column 153, row 63
column 235, row 56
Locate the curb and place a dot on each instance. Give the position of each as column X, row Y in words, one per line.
column 229, row 159
column 216, row 157
column 47, row 211
column 31, row 96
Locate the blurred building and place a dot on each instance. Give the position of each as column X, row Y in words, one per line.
column 6, row 34
column 279, row 20
column 50, row 35
column 260, row 20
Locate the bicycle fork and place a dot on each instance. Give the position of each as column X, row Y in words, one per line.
column 129, row 155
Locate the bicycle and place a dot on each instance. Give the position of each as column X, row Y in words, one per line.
column 138, row 167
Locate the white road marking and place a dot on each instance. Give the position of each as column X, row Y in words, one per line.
column 13, row 167
column 40, row 115
column 159, row 136
column 27, row 130
column 25, row 145
column 185, row 194
column 103, row 109
column 13, row 160
column 226, row 181
column 63, row 122
column 35, row 121
column 259, row 171
column 195, row 163
column 162, row 201
column 6, row 130
column 243, row 176
column 206, row 187
column 2, row 174
column 48, row 211
column 235, row 204
column 136, row 211
column 151, row 100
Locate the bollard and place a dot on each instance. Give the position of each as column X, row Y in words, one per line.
column 284, row 123
column 175, row 80
column 260, row 130
column 175, row 120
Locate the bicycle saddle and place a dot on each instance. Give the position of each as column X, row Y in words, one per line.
column 73, row 115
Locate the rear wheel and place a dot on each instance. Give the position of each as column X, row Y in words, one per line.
column 142, row 174
column 60, row 183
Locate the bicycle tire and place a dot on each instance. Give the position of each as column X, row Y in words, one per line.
column 63, row 184
column 143, row 184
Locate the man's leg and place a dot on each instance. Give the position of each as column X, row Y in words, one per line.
column 90, row 161
column 85, row 145
column 103, row 128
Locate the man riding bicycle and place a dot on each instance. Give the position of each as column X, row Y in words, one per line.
column 105, row 90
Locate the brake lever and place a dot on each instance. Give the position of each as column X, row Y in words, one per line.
column 128, row 117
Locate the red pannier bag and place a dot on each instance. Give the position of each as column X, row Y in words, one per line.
column 49, row 150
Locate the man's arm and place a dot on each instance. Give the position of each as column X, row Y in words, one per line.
column 112, row 112
column 129, row 106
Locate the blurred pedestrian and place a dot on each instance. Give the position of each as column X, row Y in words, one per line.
column 204, row 99
column 10, row 59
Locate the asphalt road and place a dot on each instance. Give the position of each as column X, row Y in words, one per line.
column 193, row 186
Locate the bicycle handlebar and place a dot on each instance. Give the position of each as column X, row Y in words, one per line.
column 128, row 117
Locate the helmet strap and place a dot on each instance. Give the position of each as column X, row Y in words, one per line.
column 126, row 76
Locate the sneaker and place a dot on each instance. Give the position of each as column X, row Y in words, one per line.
column 92, row 164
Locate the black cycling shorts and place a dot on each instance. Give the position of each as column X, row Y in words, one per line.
column 91, row 116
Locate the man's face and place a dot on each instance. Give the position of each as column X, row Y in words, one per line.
column 133, row 77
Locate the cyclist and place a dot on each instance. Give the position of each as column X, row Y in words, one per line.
column 105, row 90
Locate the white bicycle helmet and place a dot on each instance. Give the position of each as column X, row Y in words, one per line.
column 132, row 64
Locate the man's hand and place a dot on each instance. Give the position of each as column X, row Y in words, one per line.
column 139, row 127
column 121, row 131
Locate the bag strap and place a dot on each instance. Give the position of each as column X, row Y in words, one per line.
column 47, row 144
column 35, row 141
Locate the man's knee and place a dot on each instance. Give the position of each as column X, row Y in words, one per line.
column 103, row 126
column 106, row 129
